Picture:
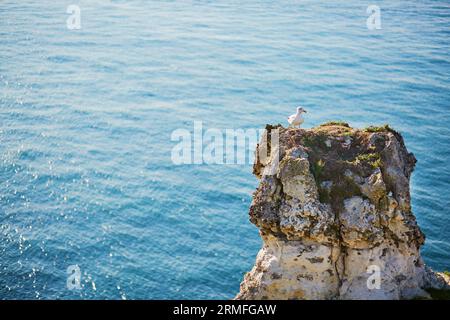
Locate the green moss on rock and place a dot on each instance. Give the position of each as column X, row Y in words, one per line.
column 335, row 123
column 316, row 141
column 439, row 294
column 317, row 169
column 371, row 159
column 384, row 128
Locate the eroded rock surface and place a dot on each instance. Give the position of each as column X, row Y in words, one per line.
column 333, row 207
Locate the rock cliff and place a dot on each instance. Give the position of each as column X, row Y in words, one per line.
column 334, row 212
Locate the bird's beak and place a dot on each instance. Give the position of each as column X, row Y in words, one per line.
column 305, row 111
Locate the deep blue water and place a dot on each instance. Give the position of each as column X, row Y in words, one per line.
column 86, row 117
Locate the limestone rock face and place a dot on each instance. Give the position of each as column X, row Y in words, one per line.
column 333, row 209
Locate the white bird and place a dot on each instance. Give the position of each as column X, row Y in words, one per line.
column 296, row 119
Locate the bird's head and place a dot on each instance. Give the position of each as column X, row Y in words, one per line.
column 300, row 110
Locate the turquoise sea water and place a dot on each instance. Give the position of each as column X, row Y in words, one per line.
column 86, row 116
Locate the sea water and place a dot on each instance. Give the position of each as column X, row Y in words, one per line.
column 87, row 115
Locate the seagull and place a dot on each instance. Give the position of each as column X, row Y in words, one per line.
column 296, row 119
